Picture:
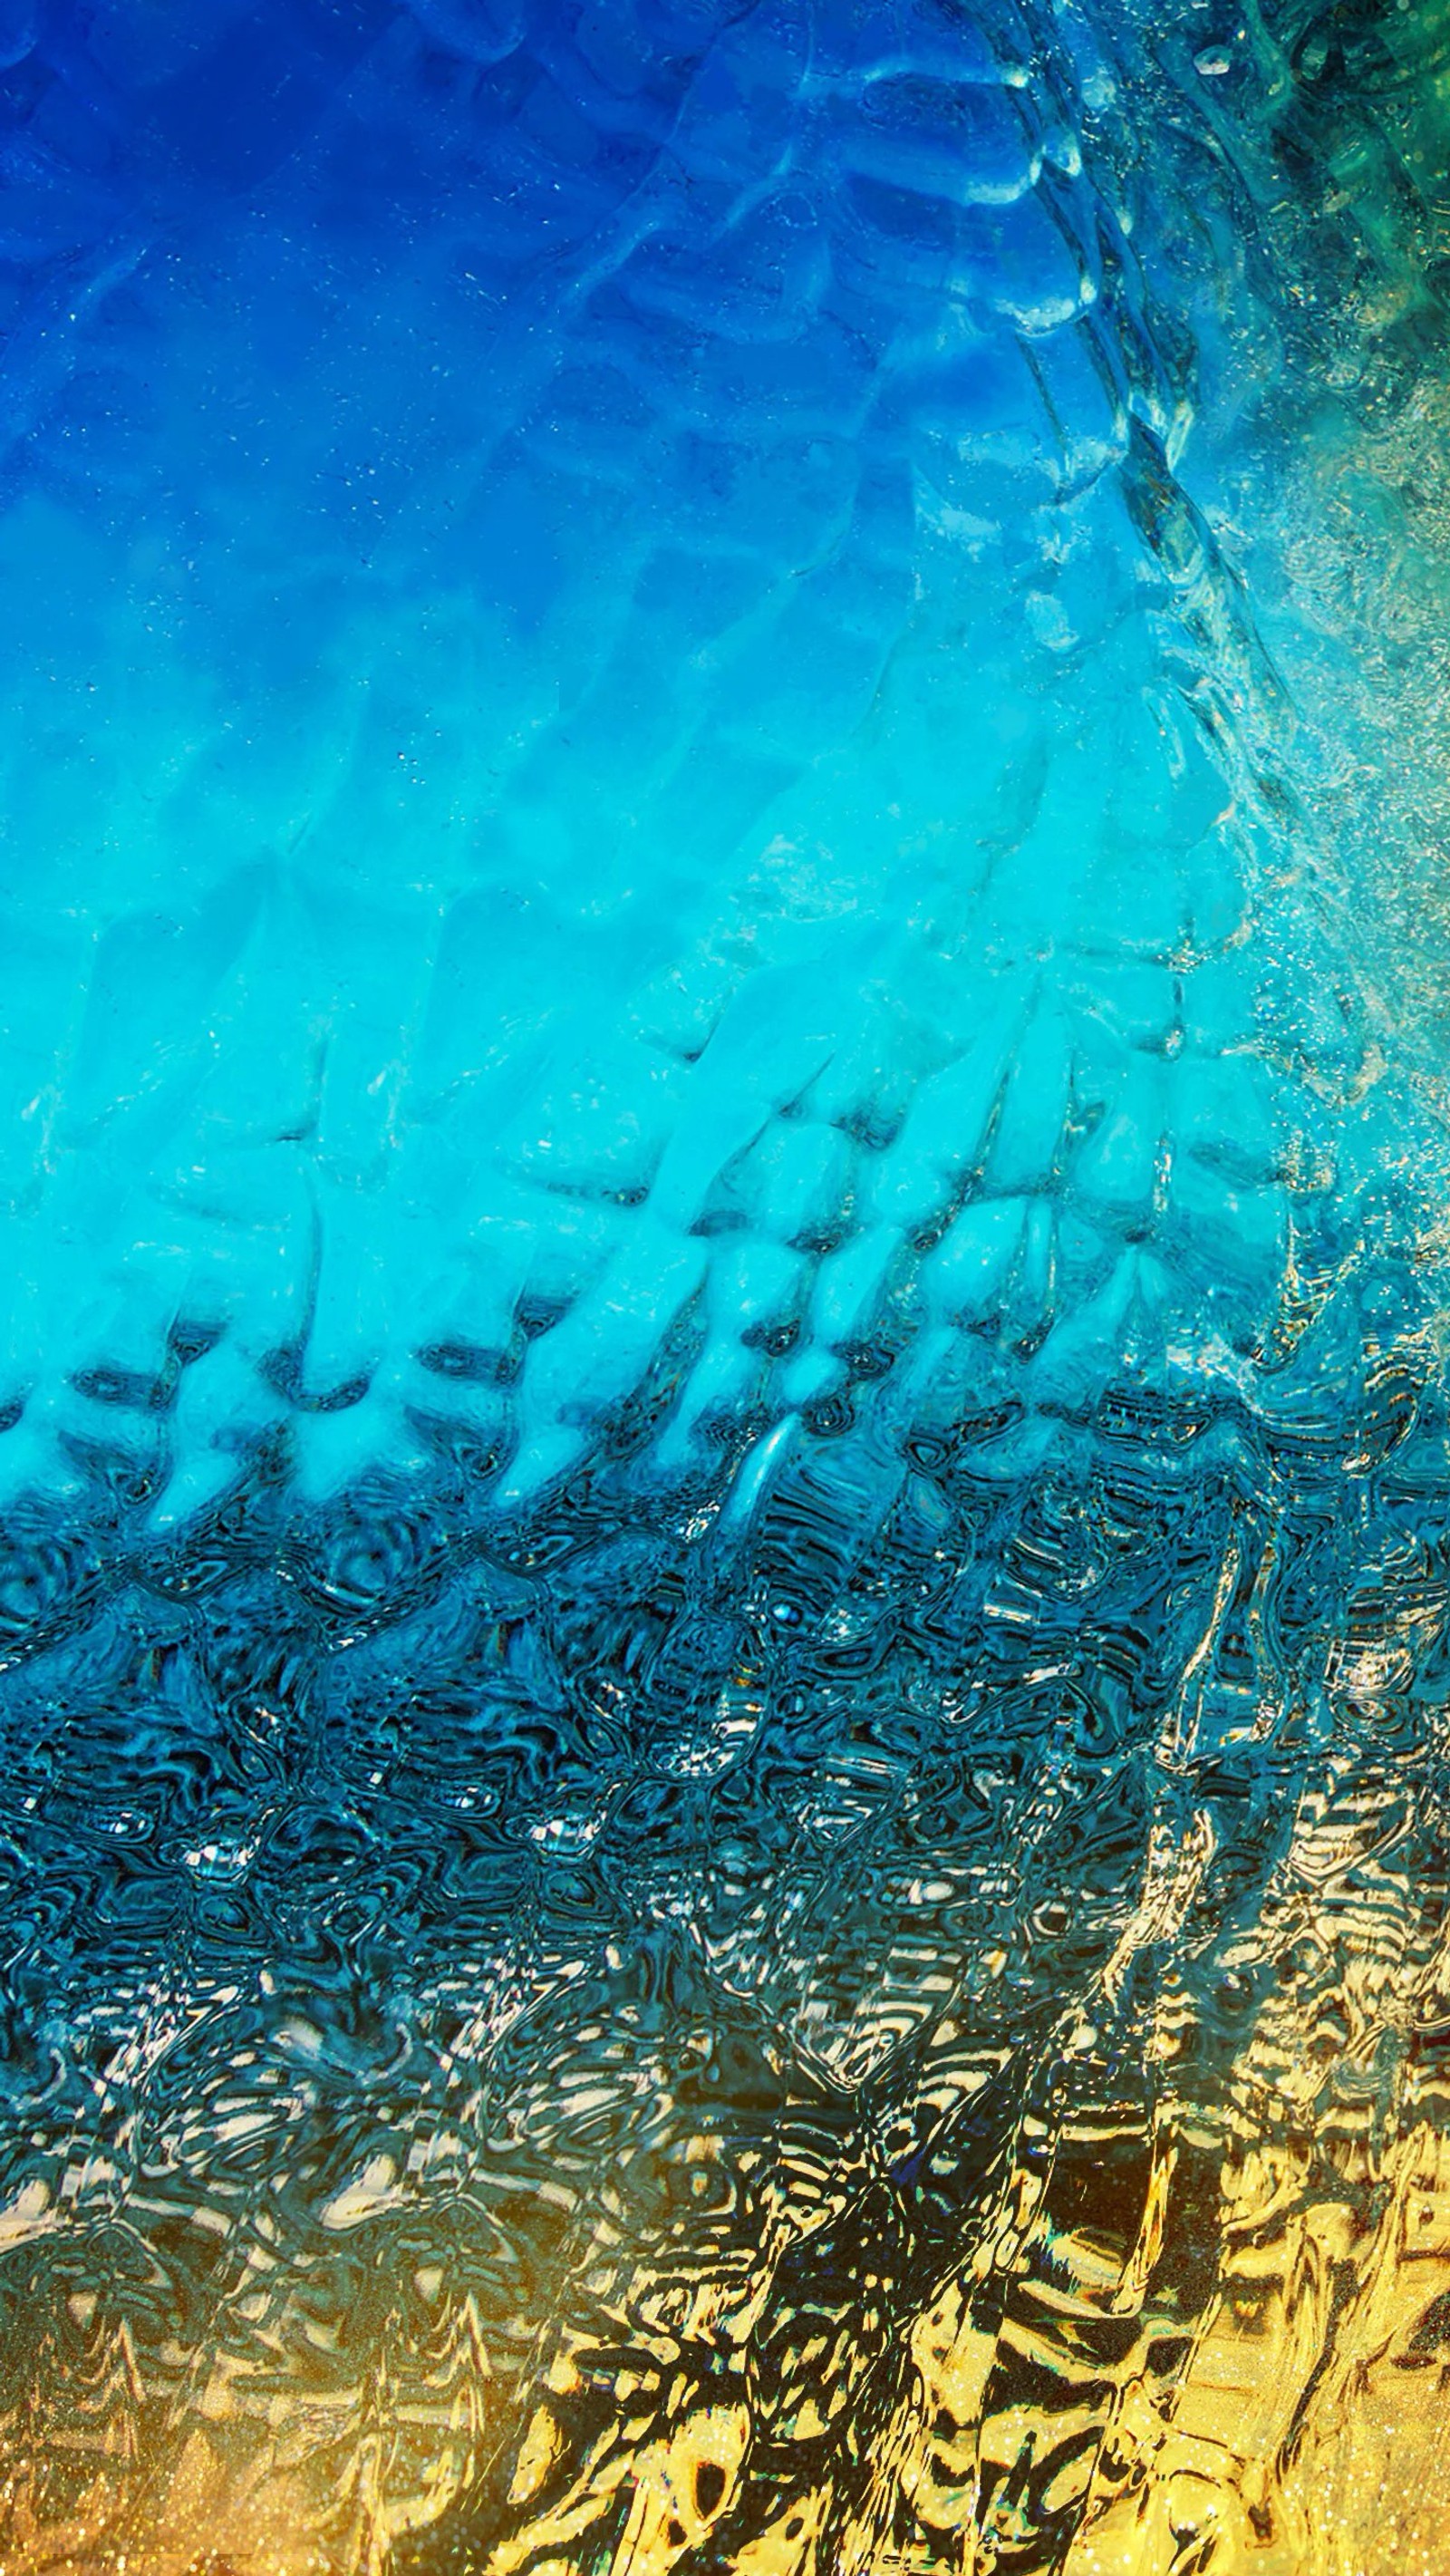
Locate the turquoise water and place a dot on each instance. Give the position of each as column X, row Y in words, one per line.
column 723, row 1414
column 589, row 712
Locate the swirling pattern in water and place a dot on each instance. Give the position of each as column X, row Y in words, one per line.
column 724, row 1447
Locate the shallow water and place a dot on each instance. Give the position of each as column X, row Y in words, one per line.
column 726, row 1512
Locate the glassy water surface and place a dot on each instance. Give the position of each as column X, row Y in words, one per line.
column 724, row 1491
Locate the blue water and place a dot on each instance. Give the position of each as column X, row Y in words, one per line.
column 582, row 649
column 722, row 1286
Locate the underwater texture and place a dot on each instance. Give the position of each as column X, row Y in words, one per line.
column 724, row 1430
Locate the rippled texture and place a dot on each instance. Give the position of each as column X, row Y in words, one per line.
column 725, row 1564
